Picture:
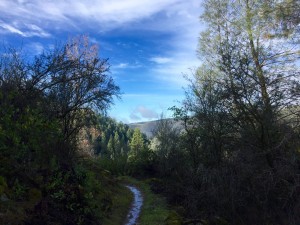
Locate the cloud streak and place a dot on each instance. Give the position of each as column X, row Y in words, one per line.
column 60, row 14
column 27, row 30
column 121, row 66
column 160, row 60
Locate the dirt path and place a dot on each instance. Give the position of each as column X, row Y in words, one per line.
column 135, row 209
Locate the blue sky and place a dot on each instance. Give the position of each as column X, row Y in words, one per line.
column 150, row 44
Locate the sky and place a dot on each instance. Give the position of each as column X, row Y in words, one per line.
column 151, row 44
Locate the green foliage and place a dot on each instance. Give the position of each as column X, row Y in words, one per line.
column 41, row 113
column 122, row 150
column 114, row 138
column 136, row 144
column 282, row 17
column 19, row 190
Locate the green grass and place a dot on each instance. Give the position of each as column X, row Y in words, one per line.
column 120, row 197
column 154, row 210
column 122, row 200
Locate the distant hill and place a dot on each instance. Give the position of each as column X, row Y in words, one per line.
column 148, row 127
column 145, row 127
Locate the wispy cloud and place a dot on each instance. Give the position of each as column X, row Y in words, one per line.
column 60, row 14
column 174, row 72
column 27, row 30
column 11, row 29
column 121, row 66
column 34, row 30
column 184, row 44
column 160, row 60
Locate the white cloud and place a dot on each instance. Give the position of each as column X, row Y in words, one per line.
column 106, row 14
column 134, row 117
column 182, row 20
column 142, row 112
column 34, row 30
column 12, row 29
column 29, row 30
column 121, row 66
column 160, row 60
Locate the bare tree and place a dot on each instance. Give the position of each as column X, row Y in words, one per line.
column 76, row 81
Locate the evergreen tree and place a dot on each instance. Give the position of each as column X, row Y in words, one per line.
column 117, row 144
column 111, row 147
column 136, row 144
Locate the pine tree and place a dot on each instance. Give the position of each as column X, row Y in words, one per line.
column 111, row 147
column 117, row 144
column 136, row 144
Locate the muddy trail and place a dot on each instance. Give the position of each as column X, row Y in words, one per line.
column 135, row 209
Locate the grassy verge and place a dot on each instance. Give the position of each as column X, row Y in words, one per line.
column 154, row 210
column 116, row 198
column 122, row 200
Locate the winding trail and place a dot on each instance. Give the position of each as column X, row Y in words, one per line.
column 135, row 209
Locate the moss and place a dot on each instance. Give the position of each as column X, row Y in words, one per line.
column 173, row 219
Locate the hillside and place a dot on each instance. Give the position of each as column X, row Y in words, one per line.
column 145, row 127
column 148, row 127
